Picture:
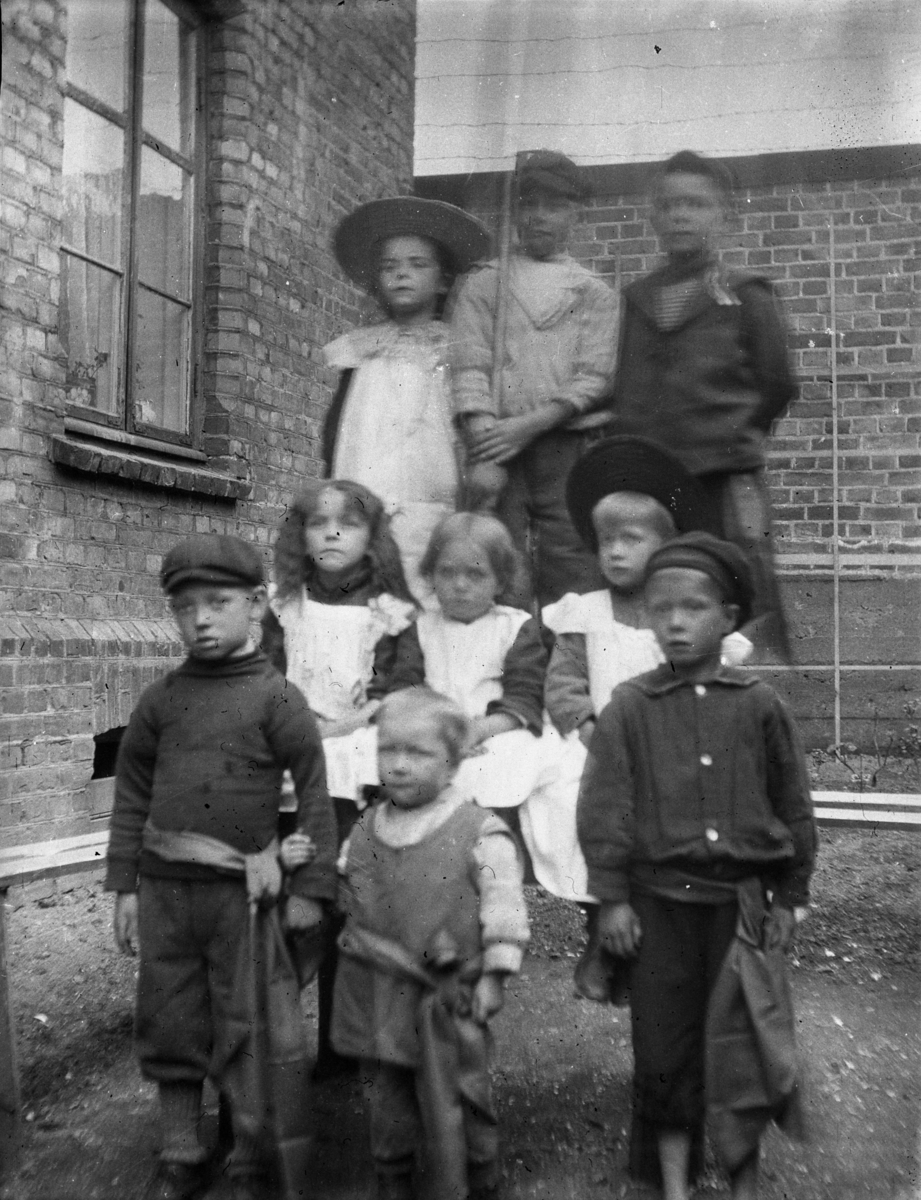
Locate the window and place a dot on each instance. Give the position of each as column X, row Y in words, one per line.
column 131, row 183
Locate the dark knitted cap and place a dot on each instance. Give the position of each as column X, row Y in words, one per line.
column 361, row 234
column 722, row 561
column 212, row 558
column 550, row 171
column 634, row 464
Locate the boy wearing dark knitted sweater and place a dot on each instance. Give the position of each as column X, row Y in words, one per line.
column 193, row 840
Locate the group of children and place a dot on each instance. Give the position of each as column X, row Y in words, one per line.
column 670, row 812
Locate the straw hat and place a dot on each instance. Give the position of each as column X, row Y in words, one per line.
column 360, row 234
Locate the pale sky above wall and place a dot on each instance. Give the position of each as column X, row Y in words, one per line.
column 729, row 77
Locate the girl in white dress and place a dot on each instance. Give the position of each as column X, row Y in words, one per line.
column 627, row 497
column 389, row 426
column 342, row 628
column 489, row 658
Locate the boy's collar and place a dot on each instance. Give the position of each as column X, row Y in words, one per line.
column 663, row 679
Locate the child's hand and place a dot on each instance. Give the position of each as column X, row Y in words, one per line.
column 619, row 930
column 297, row 850
column 302, row 914
column 586, row 729
column 485, row 484
column 506, row 438
column 488, row 997
column 781, row 926
column 346, row 725
column 126, row 922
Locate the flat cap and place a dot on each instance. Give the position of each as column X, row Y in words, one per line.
column 550, row 171
column 724, row 563
column 212, row 558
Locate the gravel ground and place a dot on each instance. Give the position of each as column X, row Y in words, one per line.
column 563, row 1066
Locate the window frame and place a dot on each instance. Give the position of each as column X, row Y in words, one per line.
column 124, row 425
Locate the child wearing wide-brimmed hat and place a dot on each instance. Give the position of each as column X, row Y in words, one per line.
column 389, row 426
column 626, row 498
column 696, row 823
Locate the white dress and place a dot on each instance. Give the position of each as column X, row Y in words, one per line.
column 395, row 434
column 466, row 662
column 614, row 653
column 330, row 653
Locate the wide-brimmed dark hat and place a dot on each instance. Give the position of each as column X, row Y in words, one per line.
column 633, row 464
column 723, row 562
column 359, row 237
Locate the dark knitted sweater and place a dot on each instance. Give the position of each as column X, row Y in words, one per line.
column 204, row 753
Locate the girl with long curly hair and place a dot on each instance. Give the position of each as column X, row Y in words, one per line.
column 342, row 628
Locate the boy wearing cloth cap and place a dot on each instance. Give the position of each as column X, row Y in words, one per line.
column 556, row 361
column 694, row 805
column 626, row 497
column 193, row 840
column 390, row 424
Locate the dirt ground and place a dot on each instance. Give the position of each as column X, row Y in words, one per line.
column 562, row 1065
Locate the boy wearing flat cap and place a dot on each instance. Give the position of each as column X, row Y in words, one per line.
column 193, row 841
column 696, row 823
column 390, row 423
column 557, row 357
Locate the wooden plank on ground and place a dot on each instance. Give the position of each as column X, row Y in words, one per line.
column 868, row 810
column 47, row 860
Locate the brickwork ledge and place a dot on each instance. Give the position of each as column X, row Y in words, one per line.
column 29, row 636
column 147, row 471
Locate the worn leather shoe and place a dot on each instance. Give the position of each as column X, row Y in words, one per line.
column 176, row 1181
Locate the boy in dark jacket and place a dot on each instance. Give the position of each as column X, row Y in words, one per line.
column 703, row 370
column 694, row 806
column 193, row 840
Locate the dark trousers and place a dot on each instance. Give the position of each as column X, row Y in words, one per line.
column 190, row 937
column 681, row 952
column 533, row 508
column 742, row 510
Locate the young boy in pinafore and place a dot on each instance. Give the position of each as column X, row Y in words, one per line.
column 694, row 807
column 194, row 841
column 556, row 364
column 436, row 921
column 703, row 369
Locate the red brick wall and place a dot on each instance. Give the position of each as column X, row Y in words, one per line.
column 309, row 112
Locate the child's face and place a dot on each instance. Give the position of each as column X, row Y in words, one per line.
column 464, row 581
column 627, row 535
column 545, row 223
column 413, row 759
column 215, row 622
column 689, row 617
column 411, row 278
column 335, row 537
column 687, row 213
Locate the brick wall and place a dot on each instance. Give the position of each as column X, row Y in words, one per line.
column 781, row 230
column 309, row 112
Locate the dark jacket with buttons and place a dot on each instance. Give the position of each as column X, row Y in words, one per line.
column 708, row 778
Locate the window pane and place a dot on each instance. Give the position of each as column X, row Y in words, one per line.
column 164, row 230
column 89, row 316
column 97, row 34
column 161, row 363
column 168, row 78
column 92, row 175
